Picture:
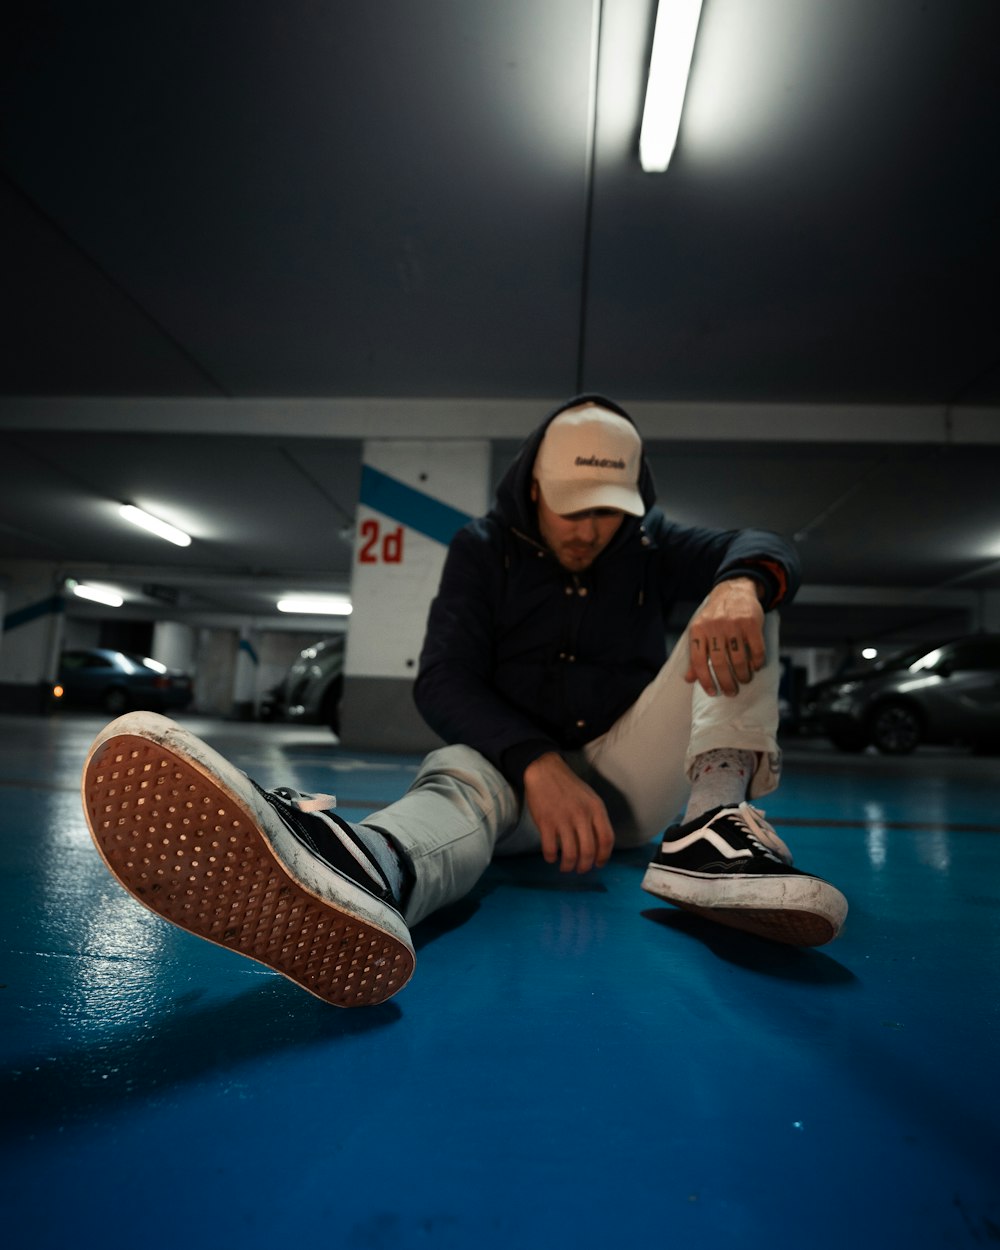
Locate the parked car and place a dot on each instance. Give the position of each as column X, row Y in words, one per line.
column 117, row 682
column 941, row 694
column 312, row 689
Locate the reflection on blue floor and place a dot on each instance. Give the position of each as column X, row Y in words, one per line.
column 573, row 1064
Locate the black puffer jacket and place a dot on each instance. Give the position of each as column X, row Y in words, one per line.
column 522, row 656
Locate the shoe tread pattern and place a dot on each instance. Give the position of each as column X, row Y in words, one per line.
column 186, row 850
column 790, row 926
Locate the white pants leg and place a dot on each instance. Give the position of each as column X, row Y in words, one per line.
column 448, row 824
column 461, row 811
column 646, row 756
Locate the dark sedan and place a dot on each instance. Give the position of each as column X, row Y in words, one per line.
column 941, row 694
column 118, row 682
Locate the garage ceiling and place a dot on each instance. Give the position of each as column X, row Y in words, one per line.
column 242, row 236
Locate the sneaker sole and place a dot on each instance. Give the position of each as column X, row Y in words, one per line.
column 797, row 911
column 185, row 833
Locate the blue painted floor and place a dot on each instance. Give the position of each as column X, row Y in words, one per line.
column 573, row 1064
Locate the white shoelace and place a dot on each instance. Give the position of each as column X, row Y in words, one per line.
column 320, row 804
column 763, row 832
column 314, row 802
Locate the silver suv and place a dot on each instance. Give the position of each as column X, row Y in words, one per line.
column 312, row 689
column 942, row 694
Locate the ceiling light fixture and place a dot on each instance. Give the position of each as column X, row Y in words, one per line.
column 99, row 594
column 669, row 66
column 155, row 526
column 318, row 605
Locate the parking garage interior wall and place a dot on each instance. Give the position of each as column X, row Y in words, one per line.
column 31, row 632
column 213, row 664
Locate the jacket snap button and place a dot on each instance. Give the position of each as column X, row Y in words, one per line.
column 582, row 590
column 569, row 590
column 580, row 724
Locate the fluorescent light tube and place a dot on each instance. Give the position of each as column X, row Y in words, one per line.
column 320, row 605
column 99, row 594
column 155, row 526
column 669, row 66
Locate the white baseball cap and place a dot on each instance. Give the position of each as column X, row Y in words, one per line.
column 590, row 457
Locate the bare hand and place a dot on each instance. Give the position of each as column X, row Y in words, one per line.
column 727, row 637
column 570, row 816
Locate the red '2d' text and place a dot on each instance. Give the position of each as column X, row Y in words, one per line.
column 380, row 546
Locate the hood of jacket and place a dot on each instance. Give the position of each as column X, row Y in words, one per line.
column 514, row 505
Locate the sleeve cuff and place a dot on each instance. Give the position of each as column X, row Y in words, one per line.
column 767, row 573
column 516, row 759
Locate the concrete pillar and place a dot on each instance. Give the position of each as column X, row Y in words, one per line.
column 215, row 676
column 989, row 611
column 175, row 645
column 33, row 627
column 414, row 496
column 245, row 676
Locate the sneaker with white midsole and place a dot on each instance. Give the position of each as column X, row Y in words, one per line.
column 262, row 873
column 730, row 866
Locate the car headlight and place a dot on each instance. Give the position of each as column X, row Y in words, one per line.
column 848, row 697
column 825, row 698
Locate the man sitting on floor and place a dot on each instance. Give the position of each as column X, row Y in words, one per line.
column 569, row 732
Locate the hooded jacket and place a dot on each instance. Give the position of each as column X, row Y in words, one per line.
column 522, row 656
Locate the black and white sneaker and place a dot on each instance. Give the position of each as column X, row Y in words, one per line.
column 263, row 873
column 730, row 866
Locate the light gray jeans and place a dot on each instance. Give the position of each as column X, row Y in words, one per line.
column 460, row 811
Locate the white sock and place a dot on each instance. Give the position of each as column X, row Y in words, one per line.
column 719, row 778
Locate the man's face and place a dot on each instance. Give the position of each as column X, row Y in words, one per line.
column 578, row 539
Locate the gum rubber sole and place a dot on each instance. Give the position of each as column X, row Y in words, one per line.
column 188, row 850
column 793, row 928
column 801, row 911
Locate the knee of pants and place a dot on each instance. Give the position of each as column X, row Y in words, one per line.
column 470, row 778
column 447, row 824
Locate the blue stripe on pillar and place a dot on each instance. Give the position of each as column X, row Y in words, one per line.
column 414, row 509
column 247, row 646
column 32, row 612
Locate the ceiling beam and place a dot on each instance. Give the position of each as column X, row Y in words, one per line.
column 374, row 417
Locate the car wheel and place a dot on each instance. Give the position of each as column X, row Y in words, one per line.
column 849, row 738
column 895, row 728
column 115, row 701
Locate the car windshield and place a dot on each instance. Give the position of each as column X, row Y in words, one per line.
column 143, row 661
column 915, row 659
